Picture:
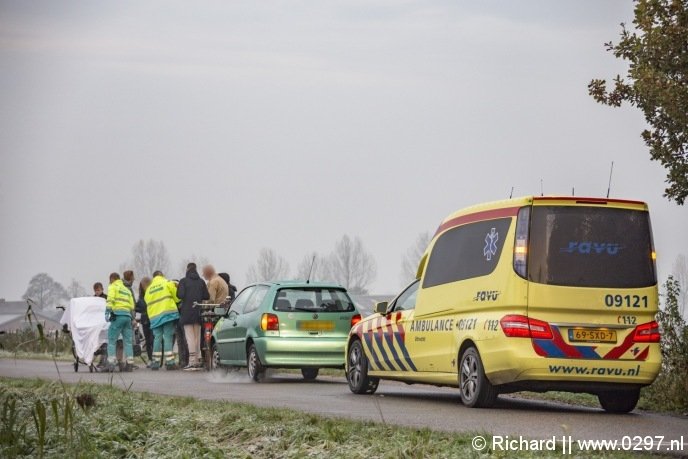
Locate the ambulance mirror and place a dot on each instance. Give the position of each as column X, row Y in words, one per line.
column 381, row 307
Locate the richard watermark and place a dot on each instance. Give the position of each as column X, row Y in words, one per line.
column 567, row 445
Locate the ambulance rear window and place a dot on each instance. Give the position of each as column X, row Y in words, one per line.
column 590, row 247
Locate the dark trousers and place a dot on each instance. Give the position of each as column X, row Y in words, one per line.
column 182, row 347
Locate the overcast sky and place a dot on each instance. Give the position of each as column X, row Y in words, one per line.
column 224, row 127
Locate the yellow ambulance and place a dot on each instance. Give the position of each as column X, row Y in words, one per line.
column 534, row 293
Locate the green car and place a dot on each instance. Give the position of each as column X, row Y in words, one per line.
column 286, row 325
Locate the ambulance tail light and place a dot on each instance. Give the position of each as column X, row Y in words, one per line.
column 518, row 326
column 647, row 333
column 521, row 242
column 355, row 319
column 269, row 322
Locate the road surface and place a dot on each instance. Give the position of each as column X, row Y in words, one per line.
column 394, row 403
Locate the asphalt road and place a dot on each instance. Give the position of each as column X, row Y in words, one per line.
column 394, row 403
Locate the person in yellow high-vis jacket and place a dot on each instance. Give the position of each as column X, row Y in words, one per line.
column 161, row 300
column 119, row 311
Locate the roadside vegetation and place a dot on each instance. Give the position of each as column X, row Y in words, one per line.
column 35, row 344
column 47, row 419
column 669, row 392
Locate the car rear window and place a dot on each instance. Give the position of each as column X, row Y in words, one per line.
column 590, row 247
column 313, row 299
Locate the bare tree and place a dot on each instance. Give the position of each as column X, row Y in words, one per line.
column 312, row 264
column 76, row 290
column 45, row 291
column 680, row 272
column 269, row 267
column 351, row 265
column 200, row 262
column 147, row 257
column 409, row 264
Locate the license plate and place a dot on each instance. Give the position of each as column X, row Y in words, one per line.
column 592, row 335
column 315, row 325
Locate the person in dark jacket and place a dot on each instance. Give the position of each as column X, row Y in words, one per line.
column 192, row 289
column 142, row 315
column 232, row 288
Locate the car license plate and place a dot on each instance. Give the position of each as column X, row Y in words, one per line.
column 315, row 325
column 592, row 335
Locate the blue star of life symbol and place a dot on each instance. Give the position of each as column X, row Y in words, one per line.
column 491, row 244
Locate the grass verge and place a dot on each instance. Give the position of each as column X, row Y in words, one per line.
column 61, row 356
column 47, row 419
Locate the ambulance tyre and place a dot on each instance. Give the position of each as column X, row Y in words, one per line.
column 476, row 389
column 357, row 371
column 620, row 402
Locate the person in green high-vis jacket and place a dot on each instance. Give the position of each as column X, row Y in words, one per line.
column 161, row 300
column 119, row 310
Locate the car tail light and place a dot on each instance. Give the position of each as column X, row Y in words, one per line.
column 647, row 333
column 517, row 326
column 269, row 322
column 355, row 319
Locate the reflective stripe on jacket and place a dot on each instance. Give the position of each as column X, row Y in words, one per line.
column 119, row 299
column 161, row 300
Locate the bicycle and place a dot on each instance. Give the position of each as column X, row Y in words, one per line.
column 209, row 317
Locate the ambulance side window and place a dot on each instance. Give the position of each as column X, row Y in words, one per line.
column 407, row 300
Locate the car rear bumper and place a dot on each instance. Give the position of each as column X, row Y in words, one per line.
column 301, row 352
column 517, row 364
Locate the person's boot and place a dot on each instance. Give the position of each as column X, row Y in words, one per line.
column 172, row 367
column 155, row 365
column 129, row 367
column 110, row 367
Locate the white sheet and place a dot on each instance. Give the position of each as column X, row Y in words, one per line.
column 85, row 318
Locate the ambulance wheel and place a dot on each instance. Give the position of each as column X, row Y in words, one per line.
column 476, row 390
column 623, row 401
column 309, row 374
column 256, row 370
column 357, row 371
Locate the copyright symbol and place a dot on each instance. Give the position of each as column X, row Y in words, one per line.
column 479, row 443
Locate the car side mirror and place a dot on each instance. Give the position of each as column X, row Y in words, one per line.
column 232, row 314
column 381, row 307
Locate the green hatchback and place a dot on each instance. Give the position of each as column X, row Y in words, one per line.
column 286, row 325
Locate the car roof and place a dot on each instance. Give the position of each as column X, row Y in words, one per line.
column 487, row 210
column 301, row 284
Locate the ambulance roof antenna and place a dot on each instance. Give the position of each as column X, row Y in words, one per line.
column 310, row 271
column 573, row 191
column 542, row 188
column 511, row 195
column 609, row 187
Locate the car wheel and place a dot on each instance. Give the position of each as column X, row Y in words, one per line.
column 216, row 357
column 309, row 374
column 357, row 371
column 256, row 370
column 476, row 390
column 619, row 402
